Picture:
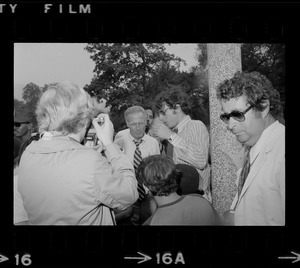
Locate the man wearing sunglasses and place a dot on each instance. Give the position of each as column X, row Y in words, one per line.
column 251, row 109
column 22, row 125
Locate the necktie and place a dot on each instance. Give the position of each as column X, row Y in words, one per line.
column 170, row 147
column 244, row 173
column 137, row 158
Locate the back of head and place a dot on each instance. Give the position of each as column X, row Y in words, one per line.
column 189, row 180
column 64, row 107
column 173, row 98
column 256, row 87
column 159, row 174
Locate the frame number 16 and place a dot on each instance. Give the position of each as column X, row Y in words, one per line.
column 24, row 259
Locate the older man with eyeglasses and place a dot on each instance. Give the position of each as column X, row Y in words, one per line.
column 252, row 110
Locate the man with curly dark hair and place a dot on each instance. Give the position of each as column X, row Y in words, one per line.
column 159, row 174
column 187, row 140
column 252, row 110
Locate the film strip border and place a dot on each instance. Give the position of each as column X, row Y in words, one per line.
column 144, row 22
column 190, row 246
column 102, row 246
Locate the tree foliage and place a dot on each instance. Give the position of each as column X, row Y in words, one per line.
column 268, row 59
column 123, row 72
column 126, row 65
column 31, row 94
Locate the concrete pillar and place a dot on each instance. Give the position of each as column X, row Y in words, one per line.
column 223, row 61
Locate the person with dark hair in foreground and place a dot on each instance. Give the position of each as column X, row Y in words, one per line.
column 159, row 174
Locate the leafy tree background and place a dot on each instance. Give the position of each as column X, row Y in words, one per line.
column 268, row 59
column 30, row 96
column 134, row 73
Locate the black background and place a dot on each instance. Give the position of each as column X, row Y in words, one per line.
column 165, row 22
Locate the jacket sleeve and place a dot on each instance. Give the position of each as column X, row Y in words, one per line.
column 116, row 185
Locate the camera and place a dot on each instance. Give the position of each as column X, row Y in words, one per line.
column 91, row 138
column 100, row 121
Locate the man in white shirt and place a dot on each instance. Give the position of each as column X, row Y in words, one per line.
column 136, row 120
column 251, row 109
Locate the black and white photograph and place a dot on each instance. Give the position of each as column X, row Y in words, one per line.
column 149, row 134
column 141, row 134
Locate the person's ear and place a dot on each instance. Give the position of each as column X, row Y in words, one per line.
column 266, row 108
column 177, row 109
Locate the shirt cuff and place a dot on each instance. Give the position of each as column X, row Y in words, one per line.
column 175, row 139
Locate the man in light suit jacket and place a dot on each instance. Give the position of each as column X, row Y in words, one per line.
column 252, row 109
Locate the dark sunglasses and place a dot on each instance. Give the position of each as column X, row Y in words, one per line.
column 17, row 124
column 236, row 115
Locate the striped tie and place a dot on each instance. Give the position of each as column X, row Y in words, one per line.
column 244, row 173
column 137, row 158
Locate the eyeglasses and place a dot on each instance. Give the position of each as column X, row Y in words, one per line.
column 17, row 124
column 163, row 112
column 236, row 115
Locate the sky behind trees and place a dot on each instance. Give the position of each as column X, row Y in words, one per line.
column 44, row 63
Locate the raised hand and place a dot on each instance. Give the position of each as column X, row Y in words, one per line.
column 105, row 131
column 161, row 130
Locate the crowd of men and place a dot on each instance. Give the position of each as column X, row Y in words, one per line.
column 157, row 171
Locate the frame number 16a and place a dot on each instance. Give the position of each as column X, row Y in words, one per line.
column 166, row 258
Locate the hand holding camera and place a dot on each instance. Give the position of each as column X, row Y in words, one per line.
column 104, row 128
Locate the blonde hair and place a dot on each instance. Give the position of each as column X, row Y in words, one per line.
column 64, row 107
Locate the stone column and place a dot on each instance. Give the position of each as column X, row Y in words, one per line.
column 223, row 60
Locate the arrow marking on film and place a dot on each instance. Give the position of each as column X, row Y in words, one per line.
column 3, row 258
column 144, row 257
column 295, row 258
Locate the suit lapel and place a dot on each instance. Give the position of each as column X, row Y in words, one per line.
column 260, row 159
column 256, row 165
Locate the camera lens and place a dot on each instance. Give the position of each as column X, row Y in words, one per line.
column 100, row 121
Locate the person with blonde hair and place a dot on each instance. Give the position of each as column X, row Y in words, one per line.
column 63, row 182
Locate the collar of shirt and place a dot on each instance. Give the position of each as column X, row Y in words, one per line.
column 256, row 148
column 133, row 139
column 183, row 122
